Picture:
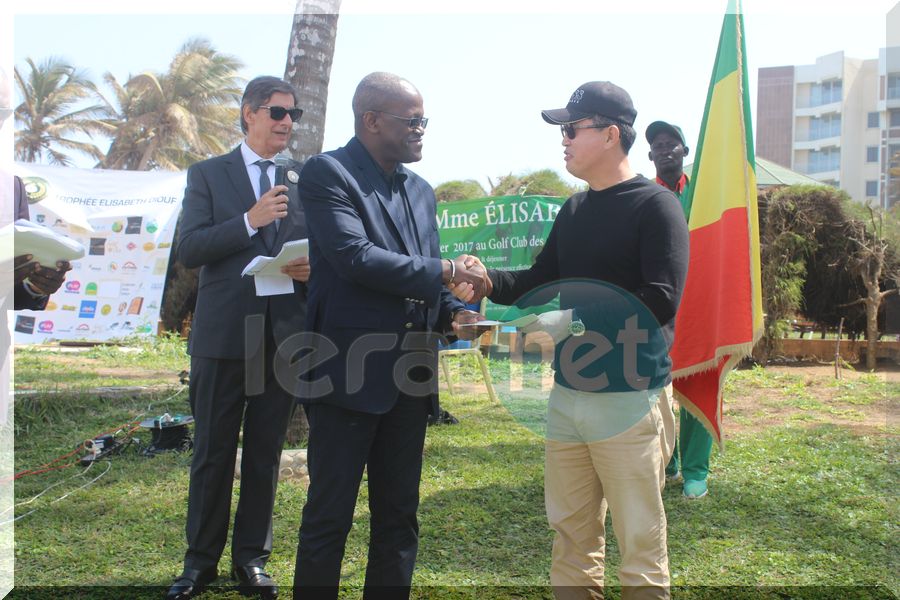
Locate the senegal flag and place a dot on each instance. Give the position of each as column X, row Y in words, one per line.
column 720, row 316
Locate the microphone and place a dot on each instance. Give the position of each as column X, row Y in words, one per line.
column 282, row 164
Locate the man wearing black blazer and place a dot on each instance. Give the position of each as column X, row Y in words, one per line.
column 235, row 209
column 33, row 283
column 377, row 299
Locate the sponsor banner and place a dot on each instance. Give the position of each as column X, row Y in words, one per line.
column 505, row 232
column 126, row 221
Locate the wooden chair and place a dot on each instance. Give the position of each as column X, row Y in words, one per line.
column 474, row 349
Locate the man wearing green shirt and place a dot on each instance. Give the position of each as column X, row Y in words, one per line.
column 694, row 443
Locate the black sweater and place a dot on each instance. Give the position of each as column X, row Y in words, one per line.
column 633, row 236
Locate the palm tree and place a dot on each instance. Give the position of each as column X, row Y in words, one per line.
column 52, row 112
column 171, row 120
column 308, row 68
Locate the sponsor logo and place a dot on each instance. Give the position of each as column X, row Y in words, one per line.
column 131, row 246
column 51, row 305
column 45, row 327
column 90, row 289
column 136, row 304
column 117, row 227
column 68, row 307
column 105, row 309
column 40, row 218
column 148, row 246
column 152, row 226
column 134, row 225
column 113, row 267
column 36, row 189
column 83, row 327
column 160, row 266
column 98, row 247
column 129, row 267
column 24, row 324
column 162, row 245
column 88, row 309
column 73, row 287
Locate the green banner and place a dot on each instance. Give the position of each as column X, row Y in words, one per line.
column 505, row 232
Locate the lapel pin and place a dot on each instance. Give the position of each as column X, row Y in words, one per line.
column 293, row 177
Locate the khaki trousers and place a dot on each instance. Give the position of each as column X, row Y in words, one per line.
column 625, row 473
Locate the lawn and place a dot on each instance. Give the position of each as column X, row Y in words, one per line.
column 805, row 493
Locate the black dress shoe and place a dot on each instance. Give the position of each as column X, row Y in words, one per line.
column 191, row 583
column 254, row 581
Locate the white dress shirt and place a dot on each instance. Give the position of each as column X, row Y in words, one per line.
column 253, row 172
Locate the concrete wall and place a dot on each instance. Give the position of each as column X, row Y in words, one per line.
column 823, row 350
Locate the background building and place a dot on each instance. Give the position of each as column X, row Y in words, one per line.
column 838, row 120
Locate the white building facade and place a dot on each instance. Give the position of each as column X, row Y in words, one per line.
column 838, row 120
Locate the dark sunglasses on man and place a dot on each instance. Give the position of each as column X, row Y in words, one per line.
column 569, row 129
column 411, row 122
column 279, row 112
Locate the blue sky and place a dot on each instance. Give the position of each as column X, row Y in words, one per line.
column 485, row 71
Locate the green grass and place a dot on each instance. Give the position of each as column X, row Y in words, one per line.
column 868, row 389
column 793, row 505
column 137, row 361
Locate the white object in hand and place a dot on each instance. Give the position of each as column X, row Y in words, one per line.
column 43, row 244
column 266, row 270
column 555, row 323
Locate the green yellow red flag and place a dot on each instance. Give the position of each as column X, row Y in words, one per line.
column 720, row 317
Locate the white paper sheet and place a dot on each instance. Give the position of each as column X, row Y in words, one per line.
column 523, row 321
column 45, row 245
column 266, row 270
column 273, row 285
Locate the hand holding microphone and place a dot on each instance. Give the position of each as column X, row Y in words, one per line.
column 272, row 206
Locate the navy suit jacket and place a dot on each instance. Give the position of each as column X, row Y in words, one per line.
column 213, row 236
column 373, row 296
column 21, row 298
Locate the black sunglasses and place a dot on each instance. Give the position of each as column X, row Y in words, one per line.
column 279, row 112
column 569, row 130
column 411, row 122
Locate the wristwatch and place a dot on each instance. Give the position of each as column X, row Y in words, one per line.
column 576, row 327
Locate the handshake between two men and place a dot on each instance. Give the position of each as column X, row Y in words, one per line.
column 466, row 277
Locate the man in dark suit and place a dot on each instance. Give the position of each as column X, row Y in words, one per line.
column 235, row 210
column 376, row 297
column 33, row 283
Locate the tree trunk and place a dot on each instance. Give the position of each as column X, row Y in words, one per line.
column 308, row 69
column 872, row 303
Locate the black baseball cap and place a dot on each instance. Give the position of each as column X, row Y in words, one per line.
column 594, row 98
column 657, row 127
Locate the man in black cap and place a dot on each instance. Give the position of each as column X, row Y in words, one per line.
column 694, row 443
column 617, row 255
column 667, row 151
